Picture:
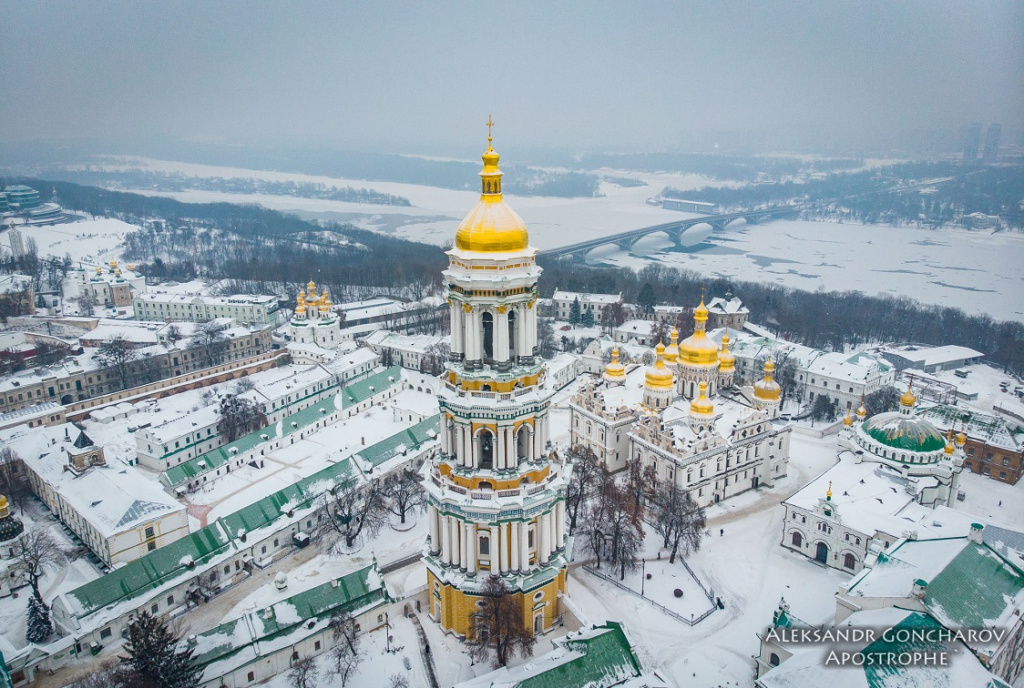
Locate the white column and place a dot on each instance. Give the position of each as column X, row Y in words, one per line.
column 499, row 452
column 475, row 334
column 457, row 327
column 456, row 541
column 544, row 534
column 446, row 541
column 524, row 546
column 561, row 524
column 471, row 549
column 432, row 521
column 467, row 444
column 445, row 435
column 501, row 336
column 494, row 550
column 514, row 546
column 503, row 552
column 553, row 542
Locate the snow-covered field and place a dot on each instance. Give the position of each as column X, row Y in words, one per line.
column 95, row 240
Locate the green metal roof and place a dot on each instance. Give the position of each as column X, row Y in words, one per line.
column 606, row 660
column 974, row 589
column 410, row 439
column 150, row 571
column 352, row 591
column 165, row 563
column 352, row 395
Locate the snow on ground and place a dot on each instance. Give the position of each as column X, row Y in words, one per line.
column 95, row 240
column 972, row 270
column 998, row 502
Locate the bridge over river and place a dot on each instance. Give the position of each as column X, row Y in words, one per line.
column 675, row 231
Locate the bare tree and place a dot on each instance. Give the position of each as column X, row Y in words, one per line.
column 13, row 478
column 614, row 530
column 497, row 625
column 586, row 475
column 405, row 494
column 398, row 681
column 49, row 352
column 345, row 656
column 348, row 512
column 36, row 552
column 238, row 416
column 678, row 519
column 304, row 673
column 641, row 481
column 118, row 355
column 210, row 341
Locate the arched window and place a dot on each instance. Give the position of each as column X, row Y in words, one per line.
column 849, row 561
column 486, row 449
column 523, row 442
column 798, row 539
column 512, row 324
column 488, row 333
column 773, row 659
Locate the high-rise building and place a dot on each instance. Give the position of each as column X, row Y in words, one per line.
column 972, row 141
column 496, row 490
column 991, row 153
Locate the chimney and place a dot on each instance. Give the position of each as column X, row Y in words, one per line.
column 976, row 533
column 919, row 588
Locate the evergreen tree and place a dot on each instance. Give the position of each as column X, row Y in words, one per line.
column 645, row 299
column 588, row 319
column 155, row 658
column 575, row 312
column 39, row 626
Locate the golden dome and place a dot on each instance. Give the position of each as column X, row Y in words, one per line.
column 491, row 226
column 961, row 438
column 311, row 289
column 908, row 398
column 615, row 371
column 766, row 388
column 658, row 376
column 672, row 350
column 300, row 302
column 862, row 411
column 847, row 420
column 702, row 406
column 699, row 349
column 726, row 361
column 950, row 447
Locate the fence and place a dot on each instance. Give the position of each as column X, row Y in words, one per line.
column 691, row 621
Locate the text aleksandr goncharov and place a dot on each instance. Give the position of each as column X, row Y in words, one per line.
column 896, row 646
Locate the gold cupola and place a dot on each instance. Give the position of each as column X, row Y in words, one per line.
column 766, row 388
column 702, row 406
column 847, row 419
column 325, row 302
column 300, row 302
column 672, row 350
column 908, row 399
column 491, row 226
column 615, row 372
column 698, row 348
column 862, row 411
column 726, row 360
column 658, row 376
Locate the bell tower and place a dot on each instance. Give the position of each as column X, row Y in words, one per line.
column 496, row 491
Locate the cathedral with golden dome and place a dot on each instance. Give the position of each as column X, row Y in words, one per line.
column 313, row 321
column 683, row 417
column 496, row 490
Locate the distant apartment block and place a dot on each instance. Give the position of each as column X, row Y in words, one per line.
column 561, row 303
column 111, row 286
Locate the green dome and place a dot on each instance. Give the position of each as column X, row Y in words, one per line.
column 904, row 432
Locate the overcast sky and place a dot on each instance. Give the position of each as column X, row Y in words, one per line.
column 422, row 76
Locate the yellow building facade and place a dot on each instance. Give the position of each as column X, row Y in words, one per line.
column 496, row 491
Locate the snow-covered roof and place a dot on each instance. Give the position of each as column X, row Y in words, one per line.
column 14, row 283
column 638, row 327
column 726, row 307
column 991, row 430
column 412, row 343
column 936, row 355
column 585, row 297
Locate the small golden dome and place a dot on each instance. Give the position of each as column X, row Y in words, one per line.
column 702, row 406
column 766, row 388
column 491, row 226
column 726, row 360
column 700, row 313
column 908, row 398
column 862, row 411
column 961, row 438
column 847, row 420
column 672, row 350
column 658, row 376
column 614, row 370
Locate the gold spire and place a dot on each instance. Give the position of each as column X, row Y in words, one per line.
column 828, row 494
column 908, row 398
column 658, row 376
column 699, row 349
column 950, row 447
column 311, row 289
column 961, row 438
column 491, row 226
column 847, row 419
column 702, row 406
column 862, row 411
